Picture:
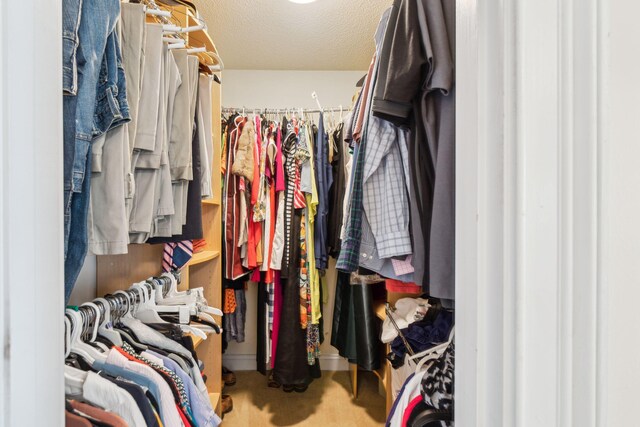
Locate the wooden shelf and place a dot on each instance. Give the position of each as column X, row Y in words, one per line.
column 215, row 401
column 196, row 340
column 378, row 307
column 204, row 256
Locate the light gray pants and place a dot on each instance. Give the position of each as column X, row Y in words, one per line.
column 204, row 134
column 149, row 138
column 182, row 123
column 107, row 219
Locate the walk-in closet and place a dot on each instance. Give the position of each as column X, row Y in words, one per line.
column 259, row 217
column 400, row 213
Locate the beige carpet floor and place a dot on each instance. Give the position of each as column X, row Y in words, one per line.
column 327, row 402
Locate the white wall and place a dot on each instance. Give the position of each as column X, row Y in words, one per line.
column 85, row 289
column 286, row 89
column 31, row 214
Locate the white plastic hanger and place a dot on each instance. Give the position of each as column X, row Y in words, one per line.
column 148, row 311
column 314, row 95
column 78, row 347
column 94, row 327
column 193, row 28
column 145, row 311
column 177, row 45
column 105, row 328
column 128, row 312
column 157, row 12
column 192, row 296
column 432, row 353
column 67, row 336
column 93, row 333
column 196, row 50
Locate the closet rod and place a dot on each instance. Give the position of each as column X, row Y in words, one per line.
column 283, row 110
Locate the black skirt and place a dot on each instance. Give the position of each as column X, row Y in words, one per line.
column 291, row 367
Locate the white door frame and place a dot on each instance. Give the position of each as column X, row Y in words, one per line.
column 546, row 263
column 31, row 214
column 530, row 300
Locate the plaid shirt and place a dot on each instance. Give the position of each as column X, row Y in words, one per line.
column 349, row 260
column 385, row 187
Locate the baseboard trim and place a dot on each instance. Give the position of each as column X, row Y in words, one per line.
column 247, row 362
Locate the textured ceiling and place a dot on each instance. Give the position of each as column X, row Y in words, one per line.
column 280, row 35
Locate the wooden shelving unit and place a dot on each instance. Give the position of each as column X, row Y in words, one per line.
column 196, row 340
column 119, row 272
column 203, row 256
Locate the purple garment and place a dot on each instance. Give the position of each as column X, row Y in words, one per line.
column 201, row 408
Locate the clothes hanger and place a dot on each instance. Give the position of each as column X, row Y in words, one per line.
column 105, row 329
column 148, row 311
column 92, row 314
column 79, row 347
column 145, row 311
column 92, row 321
column 314, row 95
column 183, row 311
column 193, row 296
column 188, row 4
column 192, row 299
column 67, row 336
column 125, row 312
column 432, row 353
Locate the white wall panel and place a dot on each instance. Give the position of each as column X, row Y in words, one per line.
column 31, row 248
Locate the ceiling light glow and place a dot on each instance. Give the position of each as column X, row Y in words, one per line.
column 302, row 1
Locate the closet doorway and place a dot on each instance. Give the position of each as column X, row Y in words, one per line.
column 496, row 44
column 306, row 64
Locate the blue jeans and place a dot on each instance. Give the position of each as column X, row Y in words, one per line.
column 91, row 60
column 70, row 25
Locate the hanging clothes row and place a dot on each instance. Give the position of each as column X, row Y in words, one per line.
column 399, row 217
column 137, row 129
column 278, row 176
column 130, row 358
column 400, row 220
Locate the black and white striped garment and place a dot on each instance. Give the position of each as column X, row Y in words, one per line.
column 290, row 166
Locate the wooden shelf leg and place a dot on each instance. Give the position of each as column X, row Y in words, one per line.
column 353, row 375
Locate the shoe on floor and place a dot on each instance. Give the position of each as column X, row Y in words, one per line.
column 300, row 388
column 271, row 382
column 226, row 403
column 228, row 376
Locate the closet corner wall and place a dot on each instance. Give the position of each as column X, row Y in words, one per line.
column 118, row 272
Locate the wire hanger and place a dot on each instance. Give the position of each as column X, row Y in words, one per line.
column 314, row 95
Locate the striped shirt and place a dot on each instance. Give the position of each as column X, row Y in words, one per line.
column 290, row 170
